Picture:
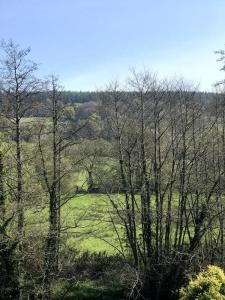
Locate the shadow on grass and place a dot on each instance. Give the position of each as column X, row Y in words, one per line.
column 95, row 291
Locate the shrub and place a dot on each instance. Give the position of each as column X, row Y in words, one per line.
column 208, row 285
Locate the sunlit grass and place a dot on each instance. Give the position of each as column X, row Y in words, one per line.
column 85, row 223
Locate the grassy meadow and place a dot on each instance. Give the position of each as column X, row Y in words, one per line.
column 86, row 223
column 86, row 227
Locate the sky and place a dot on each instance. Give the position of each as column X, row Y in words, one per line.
column 88, row 43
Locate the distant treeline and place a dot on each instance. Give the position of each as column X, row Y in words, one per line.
column 82, row 97
column 86, row 101
column 73, row 97
column 78, row 97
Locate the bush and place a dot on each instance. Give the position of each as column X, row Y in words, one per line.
column 208, row 285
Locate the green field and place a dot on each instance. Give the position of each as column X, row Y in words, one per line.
column 85, row 222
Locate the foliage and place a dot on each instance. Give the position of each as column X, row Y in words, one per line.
column 209, row 284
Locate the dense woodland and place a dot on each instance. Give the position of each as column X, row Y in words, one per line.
column 151, row 153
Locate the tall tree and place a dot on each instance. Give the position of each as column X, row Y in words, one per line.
column 18, row 84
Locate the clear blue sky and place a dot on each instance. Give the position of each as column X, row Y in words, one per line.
column 89, row 42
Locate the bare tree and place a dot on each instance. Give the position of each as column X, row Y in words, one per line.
column 166, row 152
column 18, row 84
